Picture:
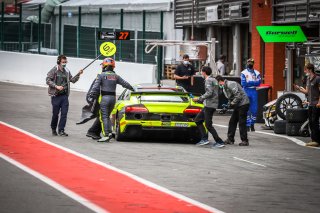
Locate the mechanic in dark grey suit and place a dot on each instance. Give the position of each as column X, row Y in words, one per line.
column 239, row 102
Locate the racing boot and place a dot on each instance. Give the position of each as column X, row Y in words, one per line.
column 106, row 139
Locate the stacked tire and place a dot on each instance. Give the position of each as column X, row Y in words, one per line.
column 295, row 119
column 280, row 127
column 289, row 108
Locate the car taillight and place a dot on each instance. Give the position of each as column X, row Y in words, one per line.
column 192, row 110
column 136, row 109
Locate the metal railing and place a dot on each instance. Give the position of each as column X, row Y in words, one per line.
column 296, row 11
column 225, row 11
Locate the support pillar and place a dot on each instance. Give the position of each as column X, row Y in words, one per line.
column 236, row 64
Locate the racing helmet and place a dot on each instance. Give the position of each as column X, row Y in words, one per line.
column 108, row 62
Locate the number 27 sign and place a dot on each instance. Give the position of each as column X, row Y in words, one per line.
column 119, row 35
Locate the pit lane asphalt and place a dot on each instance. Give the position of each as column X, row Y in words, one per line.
column 273, row 174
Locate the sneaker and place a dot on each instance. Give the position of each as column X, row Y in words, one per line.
column 106, row 139
column 62, row 133
column 54, row 132
column 313, row 144
column 92, row 135
column 218, row 145
column 203, row 142
column 228, row 141
column 244, row 143
column 252, row 128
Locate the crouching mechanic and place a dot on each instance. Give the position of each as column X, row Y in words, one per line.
column 106, row 82
column 250, row 79
column 95, row 130
column 239, row 102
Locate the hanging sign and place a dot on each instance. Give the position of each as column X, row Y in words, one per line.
column 281, row 34
column 108, row 49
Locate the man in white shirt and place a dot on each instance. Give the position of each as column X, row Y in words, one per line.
column 220, row 65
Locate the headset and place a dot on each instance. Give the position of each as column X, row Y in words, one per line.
column 59, row 58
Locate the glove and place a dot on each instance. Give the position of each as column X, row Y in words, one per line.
column 223, row 111
column 91, row 97
column 225, row 106
column 90, row 100
column 200, row 101
column 230, row 106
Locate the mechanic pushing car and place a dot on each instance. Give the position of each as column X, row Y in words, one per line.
column 210, row 99
column 239, row 102
column 250, row 79
column 107, row 82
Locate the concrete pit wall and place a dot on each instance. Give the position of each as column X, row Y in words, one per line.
column 32, row 69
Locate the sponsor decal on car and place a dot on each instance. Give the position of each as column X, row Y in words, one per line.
column 181, row 124
column 166, row 124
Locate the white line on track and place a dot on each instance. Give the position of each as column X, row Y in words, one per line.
column 54, row 184
column 141, row 180
column 295, row 140
column 240, row 159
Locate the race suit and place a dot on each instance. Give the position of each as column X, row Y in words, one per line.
column 250, row 79
column 107, row 82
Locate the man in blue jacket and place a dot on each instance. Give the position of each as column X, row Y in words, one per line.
column 250, row 79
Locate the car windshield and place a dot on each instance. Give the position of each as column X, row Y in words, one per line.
column 163, row 98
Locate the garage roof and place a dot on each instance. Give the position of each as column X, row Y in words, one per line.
column 135, row 5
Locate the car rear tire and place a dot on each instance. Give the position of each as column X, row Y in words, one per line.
column 118, row 135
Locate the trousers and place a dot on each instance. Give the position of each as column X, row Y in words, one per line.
column 96, row 127
column 206, row 115
column 60, row 105
column 239, row 115
column 314, row 115
column 106, row 106
column 253, row 109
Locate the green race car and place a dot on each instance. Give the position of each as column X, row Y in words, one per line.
column 157, row 112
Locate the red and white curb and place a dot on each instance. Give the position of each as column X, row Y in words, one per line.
column 96, row 185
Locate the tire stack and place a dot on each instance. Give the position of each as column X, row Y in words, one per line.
column 295, row 119
column 280, row 127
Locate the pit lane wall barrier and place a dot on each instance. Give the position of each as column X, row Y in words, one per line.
column 32, row 69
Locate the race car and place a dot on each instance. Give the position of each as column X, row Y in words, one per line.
column 157, row 112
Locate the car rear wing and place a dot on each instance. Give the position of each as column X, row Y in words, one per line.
column 164, row 92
